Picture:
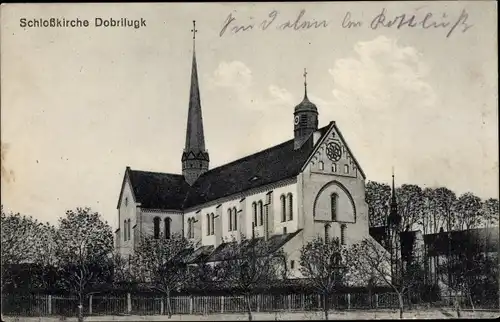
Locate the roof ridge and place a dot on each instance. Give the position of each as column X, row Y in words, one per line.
column 156, row 172
column 250, row 155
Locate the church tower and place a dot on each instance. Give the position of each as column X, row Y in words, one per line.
column 305, row 118
column 393, row 225
column 194, row 157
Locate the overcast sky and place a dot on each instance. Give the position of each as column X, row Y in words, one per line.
column 80, row 104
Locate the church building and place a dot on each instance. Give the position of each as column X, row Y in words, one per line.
column 287, row 194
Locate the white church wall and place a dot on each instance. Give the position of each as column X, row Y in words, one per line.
column 278, row 222
column 126, row 211
column 146, row 221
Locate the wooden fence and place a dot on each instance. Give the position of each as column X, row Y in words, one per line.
column 47, row 305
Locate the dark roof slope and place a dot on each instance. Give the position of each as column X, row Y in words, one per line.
column 476, row 240
column 169, row 191
column 227, row 251
column 158, row 190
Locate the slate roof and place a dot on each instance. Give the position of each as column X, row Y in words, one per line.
column 156, row 190
column 476, row 240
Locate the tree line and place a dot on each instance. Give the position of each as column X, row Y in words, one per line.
column 430, row 209
column 77, row 256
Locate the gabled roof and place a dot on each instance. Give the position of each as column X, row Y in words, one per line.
column 156, row 190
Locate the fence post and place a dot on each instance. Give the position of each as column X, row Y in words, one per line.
column 303, row 302
column 222, row 304
column 49, row 300
column 129, row 303
column 90, row 304
column 289, row 300
column 376, row 300
column 191, row 305
column 257, row 299
column 161, row 306
column 319, row 301
column 348, row 301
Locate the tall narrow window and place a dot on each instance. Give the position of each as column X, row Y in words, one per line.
column 192, row 227
column 334, row 167
column 321, row 165
column 254, row 209
column 128, row 229
column 284, row 230
column 230, row 219
column 208, row 224
column 342, row 234
column 290, row 206
column 261, row 214
column 167, row 227
column 126, row 201
column 327, row 228
column 124, row 230
column 333, row 200
column 189, row 228
column 235, row 219
column 212, row 223
column 346, row 168
column 283, row 208
column 156, row 228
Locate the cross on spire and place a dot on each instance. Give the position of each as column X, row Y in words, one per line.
column 194, row 31
column 305, row 82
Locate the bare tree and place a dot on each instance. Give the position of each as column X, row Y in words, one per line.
column 410, row 205
column 377, row 197
column 489, row 212
column 468, row 212
column 85, row 245
column 324, row 263
column 250, row 264
column 159, row 264
column 370, row 260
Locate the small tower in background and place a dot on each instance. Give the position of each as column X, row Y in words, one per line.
column 305, row 118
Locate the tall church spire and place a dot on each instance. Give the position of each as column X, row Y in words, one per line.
column 195, row 158
column 394, row 217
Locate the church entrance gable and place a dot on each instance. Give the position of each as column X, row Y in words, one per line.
column 333, row 157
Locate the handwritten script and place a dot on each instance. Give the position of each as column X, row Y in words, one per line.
column 447, row 23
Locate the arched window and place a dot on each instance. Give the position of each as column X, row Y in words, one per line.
column 321, row 165
column 124, row 230
column 283, row 208
column 334, row 167
column 167, row 227
column 212, row 223
column 261, row 214
column 346, row 168
column 126, row 201
column 189, row 228
column 342, row 234
column 208, row 224
column 156, row 228
column 230, row 219
column 192, row 227
column 333, row 199
column 254, row 208
column 290, row 206
column 128, row 229
column 235, row 219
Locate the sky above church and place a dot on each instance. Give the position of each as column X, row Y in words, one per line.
column 78, row 105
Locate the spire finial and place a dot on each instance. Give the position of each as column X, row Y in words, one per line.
column 194, row 31
column 305, row 83
column 393, row 187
